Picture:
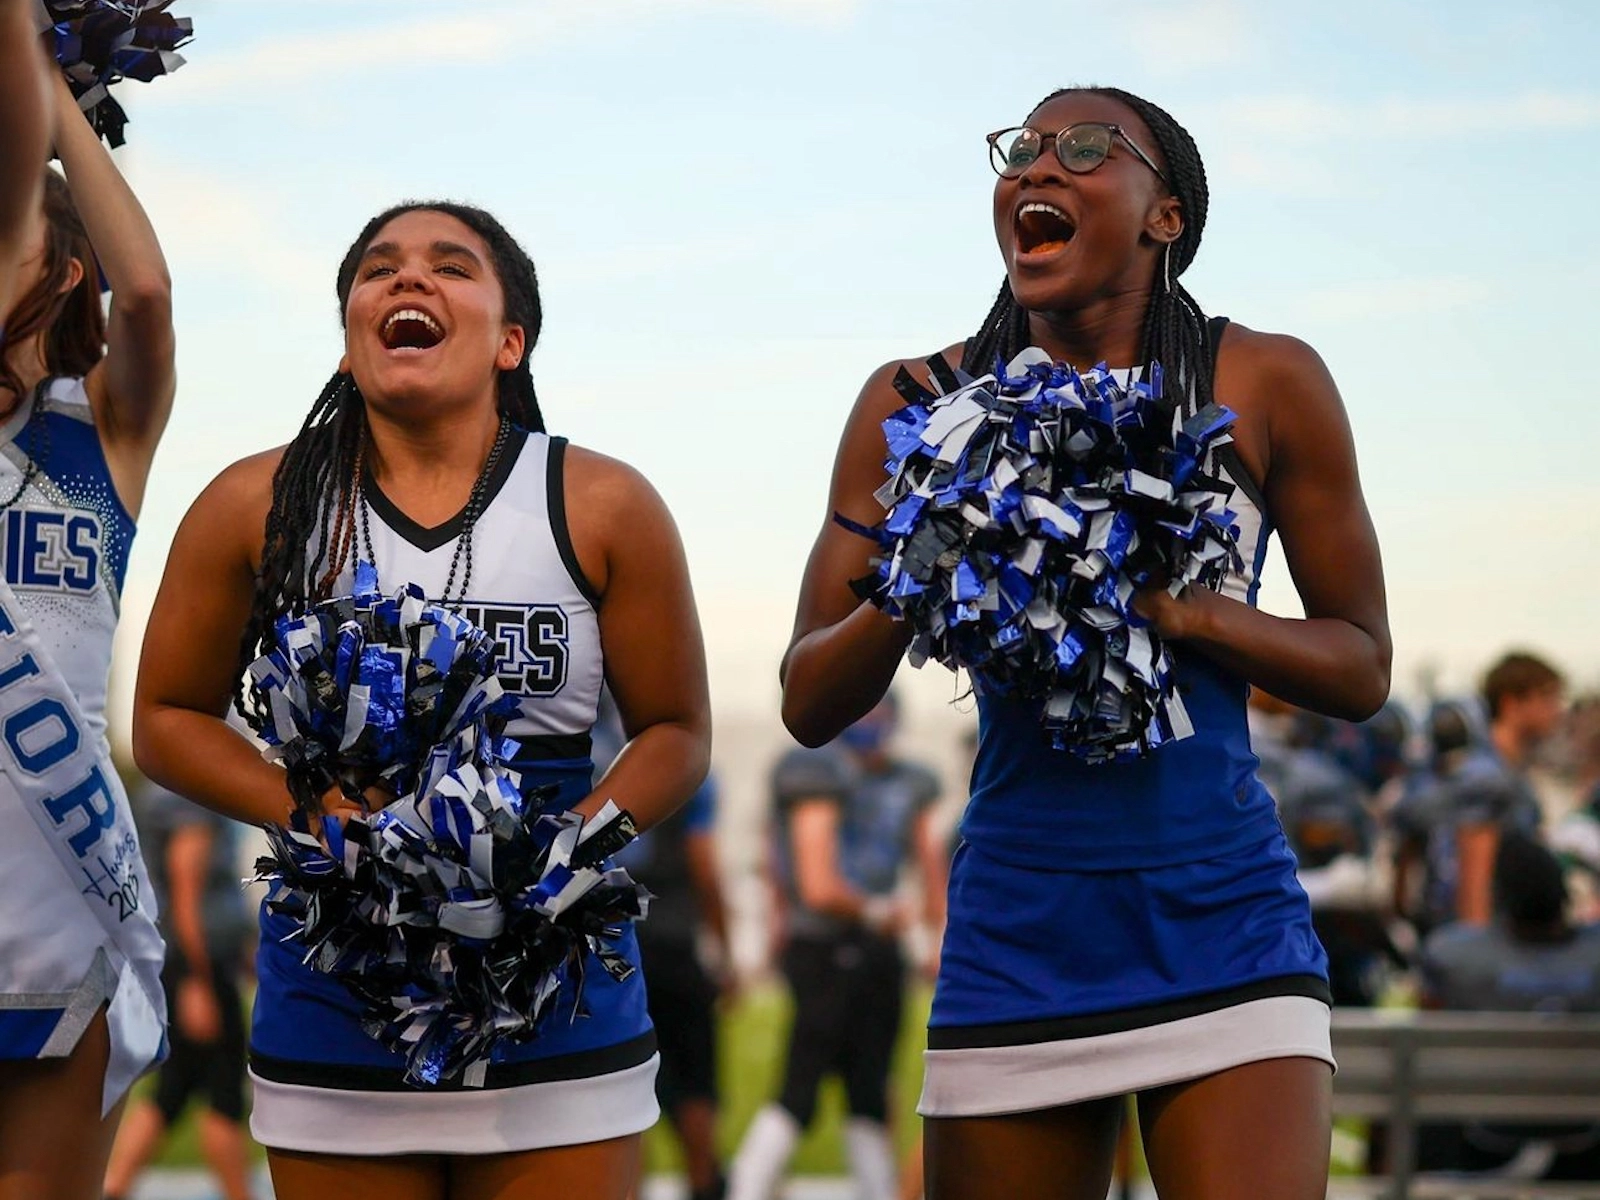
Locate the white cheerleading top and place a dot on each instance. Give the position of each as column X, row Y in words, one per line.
column 64, row 540
column 527, row 590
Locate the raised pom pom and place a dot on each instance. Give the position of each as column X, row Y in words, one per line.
column 460, row 912
column 101, row 42
column 1024, row 511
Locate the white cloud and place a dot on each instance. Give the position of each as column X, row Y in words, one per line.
column 210, row 225
column 1277, row 172
column 1306, row 117
column 481, row 36
column 1203, row 35
column 1394, row 298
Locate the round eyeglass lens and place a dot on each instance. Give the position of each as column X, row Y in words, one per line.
column 1012, row 151
column 1083, row 147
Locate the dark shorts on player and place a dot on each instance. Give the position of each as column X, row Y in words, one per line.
column 848, row 997
column 213, row 1070
column 682, row 1000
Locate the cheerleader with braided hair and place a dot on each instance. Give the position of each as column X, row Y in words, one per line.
column 1128, row 927
column 426, row 455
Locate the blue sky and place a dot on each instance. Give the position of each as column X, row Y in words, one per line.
column 740, row 207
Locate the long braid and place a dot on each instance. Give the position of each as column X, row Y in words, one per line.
column 310, row 531
column 1174, row 331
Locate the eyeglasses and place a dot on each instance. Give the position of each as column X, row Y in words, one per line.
column 1081, row 148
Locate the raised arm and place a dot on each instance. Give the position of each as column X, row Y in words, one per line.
column 843, row 653
column 650, row 633
column 1335, row 660
column 132, row 388
column 24, row 137
column 187, row 668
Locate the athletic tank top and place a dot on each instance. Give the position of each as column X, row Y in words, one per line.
column 1188, row 800
column 64, row 539
column 527, row 591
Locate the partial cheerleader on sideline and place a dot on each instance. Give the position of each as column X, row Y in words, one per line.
column 426, row 456
column 1132, row 925
column 83, row 402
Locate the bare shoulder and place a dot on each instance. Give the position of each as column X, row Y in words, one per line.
column 1289, row 406
column 879, row 390
column 614, row 516
column 231, row 513
column 1250, row 360
column 605, row 484
column 879, row 398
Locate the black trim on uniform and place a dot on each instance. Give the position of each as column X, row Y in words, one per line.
column 429, row 539
column 1214, row 328
column 1228, row 457
column 554, row 746
column 348, row 1077
column 1060, row 1029
column 556, row 502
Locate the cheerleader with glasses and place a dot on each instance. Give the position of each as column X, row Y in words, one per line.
column 83, row 401
column 1131, row 927
column 427, row 457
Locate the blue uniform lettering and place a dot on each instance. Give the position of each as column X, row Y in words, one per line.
column 14, row 544
column 50, row 549
column 37, row 547
column 23, row 668
column 94, row 798
column 82, row 567
column 41, row 757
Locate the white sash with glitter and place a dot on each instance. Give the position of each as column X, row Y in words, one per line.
column 57, row 770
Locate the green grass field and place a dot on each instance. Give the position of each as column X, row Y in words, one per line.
column 751, row 1041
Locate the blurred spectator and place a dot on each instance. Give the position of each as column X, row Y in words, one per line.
column 1530, row 959
column 1424, row 885
column 677, row 861
column 1324, row 807
column 1380, row 760
column 1490, row 794
column 192, row 854
column 849, row 816
column 1577, row 836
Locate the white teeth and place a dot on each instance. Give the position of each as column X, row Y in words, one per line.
column 413, row 314
column 1043, row 208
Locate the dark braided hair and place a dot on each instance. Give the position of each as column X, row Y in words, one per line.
column 1174, row 326
column 310, row 530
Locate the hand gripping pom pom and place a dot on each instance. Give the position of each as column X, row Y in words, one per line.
column 1024, row 510
column 102, row 42
column 462, row 913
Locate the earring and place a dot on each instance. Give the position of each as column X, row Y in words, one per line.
column 1166, row 268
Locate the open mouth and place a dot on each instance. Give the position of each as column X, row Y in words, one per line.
column 1042, row 229
column 411, row 329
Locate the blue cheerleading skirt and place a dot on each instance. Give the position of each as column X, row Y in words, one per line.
column 1057, row 986
column 306, row 1029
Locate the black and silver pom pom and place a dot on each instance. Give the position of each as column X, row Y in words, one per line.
column 1024, row 511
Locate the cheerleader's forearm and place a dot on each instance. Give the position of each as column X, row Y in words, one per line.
column 201, row 757
column 656, row 773
column 834, row 676
column 1326, row 664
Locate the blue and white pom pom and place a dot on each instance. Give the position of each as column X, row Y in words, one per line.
column 462, row 912
column 1024, row 510
column 101, row 42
